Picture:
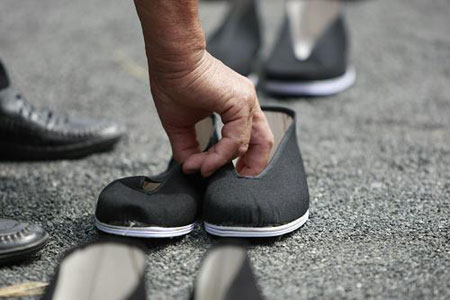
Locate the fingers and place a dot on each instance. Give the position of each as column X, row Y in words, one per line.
column 237, row 119
column 184, row 143
column 234, row 142
column 257, row 157
column 246, row 134
column 219, row 155
column 253, row 146
column 194, row 162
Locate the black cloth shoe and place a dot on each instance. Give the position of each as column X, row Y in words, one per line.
column 237, row 40
column 27, row 133
column 101, row 270
column 310, row 57
column 226, row 274
column 19, row 240
column 273, row 203
column 166, row 205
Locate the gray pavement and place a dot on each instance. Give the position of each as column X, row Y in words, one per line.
column 377, row 156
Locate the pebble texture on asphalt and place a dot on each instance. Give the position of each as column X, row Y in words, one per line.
column 377, row 156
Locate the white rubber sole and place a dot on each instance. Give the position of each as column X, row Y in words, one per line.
column 144, row 232
column 227, row 231
column 313, row 88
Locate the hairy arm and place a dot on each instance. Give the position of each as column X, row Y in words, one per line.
column 188, row 84
column 174, row 39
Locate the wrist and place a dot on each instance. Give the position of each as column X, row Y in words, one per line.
column 176, row 59
column 174, row 39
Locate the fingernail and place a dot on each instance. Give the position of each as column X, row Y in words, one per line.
column 188, row 170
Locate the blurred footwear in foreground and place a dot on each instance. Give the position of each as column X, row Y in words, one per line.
column 226, row 274
column 115, row 270
column 101, row 270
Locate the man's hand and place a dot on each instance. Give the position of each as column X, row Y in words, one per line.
column 188, row 85
column 213, row 87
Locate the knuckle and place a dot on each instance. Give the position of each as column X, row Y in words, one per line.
column 249, row 94
column 251, row 98
column 243, row 148
column 244, row 101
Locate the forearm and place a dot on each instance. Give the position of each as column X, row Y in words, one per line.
column 174, row 39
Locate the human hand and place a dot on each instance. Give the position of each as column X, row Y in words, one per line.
column 188, row 85
column 184, row 97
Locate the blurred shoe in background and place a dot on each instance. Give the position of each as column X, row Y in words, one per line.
column 226, row 274
column 113, row 270
column 19, row 240
column 237, row 40
column 310, row 57
column 27, row 133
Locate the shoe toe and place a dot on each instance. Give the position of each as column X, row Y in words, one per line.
column 111, row 130
column 128, row 201
column 98, row 129
column 18, row 239
column 246, row 203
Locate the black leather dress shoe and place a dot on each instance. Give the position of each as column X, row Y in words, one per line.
column 27, row 133
column 112, row 270
column 19, row 240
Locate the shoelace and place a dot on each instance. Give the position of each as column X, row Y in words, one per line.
column 46, row 116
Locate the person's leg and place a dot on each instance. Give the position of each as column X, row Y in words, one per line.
column 4, row 80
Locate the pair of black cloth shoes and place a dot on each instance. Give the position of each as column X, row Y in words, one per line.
column 273, row 203
column 115, row 270
column 310, row 56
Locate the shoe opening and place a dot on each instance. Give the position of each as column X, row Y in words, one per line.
column 150, row 186
column 279, row 123
column 204, row 130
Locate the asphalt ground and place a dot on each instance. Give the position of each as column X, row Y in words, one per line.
column 377, row 156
